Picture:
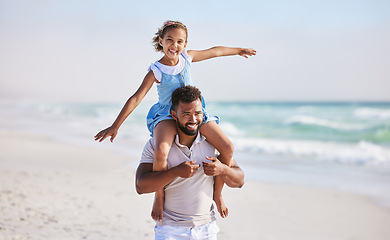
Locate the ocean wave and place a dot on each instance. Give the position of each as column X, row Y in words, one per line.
column 308, row 120
column 276, row 131
column 230, row 129
column 372, row 113
column 362, row 153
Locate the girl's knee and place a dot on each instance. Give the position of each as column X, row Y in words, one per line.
column 162, row 150
column 160, row 157
column 228, row 148
column 226, row 154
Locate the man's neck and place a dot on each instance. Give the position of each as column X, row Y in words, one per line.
column 185, row 139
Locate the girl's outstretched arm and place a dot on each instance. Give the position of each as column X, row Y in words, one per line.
column 200, row 55
column 128, row 108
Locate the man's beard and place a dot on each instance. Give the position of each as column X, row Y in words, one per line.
column 187, row 131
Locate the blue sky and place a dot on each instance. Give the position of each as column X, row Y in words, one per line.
column 99, row 50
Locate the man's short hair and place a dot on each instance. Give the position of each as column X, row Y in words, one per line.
column 185, row 94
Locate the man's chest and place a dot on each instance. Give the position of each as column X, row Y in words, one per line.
column 197, row 153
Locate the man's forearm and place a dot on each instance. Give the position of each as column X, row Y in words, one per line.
column 233, row 176
column 148, row 181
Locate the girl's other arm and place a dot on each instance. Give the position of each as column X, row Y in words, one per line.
column 200, row 55
column 128, row 108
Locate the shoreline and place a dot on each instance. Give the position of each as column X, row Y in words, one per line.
column 54, row 190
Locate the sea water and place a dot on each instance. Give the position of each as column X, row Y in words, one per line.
column 342, row 146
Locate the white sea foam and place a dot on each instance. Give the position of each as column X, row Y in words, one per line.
column 372, row 113
column 309, row 120
column 362, row 153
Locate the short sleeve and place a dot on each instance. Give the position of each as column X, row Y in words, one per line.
column 148, row 152
column 156, row 71
column 186, row 56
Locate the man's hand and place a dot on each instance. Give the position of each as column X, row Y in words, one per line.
column 187, row 169
column 213, row 168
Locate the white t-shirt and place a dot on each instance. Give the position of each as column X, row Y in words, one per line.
column 188, row 201
column 171, row 70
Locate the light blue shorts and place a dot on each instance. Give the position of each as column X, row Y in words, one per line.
column 203, row 232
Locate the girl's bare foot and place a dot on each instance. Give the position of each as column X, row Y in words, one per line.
column 157, row 211
column 222, row 209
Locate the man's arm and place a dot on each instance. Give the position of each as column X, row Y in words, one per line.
column 147, row 181
column 233, row 176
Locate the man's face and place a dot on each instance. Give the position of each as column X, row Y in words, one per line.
column 189, row 117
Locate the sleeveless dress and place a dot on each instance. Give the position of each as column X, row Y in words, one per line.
column 168, row 84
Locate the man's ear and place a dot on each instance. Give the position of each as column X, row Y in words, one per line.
column 173, row 113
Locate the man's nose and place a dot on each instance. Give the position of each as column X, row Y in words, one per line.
column 192, row 118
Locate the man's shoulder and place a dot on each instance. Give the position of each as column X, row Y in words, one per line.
column 148, row 152
column 149, row 144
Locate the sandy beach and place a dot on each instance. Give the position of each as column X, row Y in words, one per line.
column 52, row 190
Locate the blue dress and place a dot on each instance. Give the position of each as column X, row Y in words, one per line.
column 168, row 84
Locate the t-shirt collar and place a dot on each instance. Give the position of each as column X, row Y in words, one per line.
column 199, row 138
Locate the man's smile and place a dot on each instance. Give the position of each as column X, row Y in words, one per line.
column 192, row 126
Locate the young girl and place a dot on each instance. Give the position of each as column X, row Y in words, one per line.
column 169, row 73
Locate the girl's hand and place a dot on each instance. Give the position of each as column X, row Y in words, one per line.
column 108, row 132
column 246, row 52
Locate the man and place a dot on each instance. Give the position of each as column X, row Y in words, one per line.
column 188, row 181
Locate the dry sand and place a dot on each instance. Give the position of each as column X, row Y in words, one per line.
column 51, row 190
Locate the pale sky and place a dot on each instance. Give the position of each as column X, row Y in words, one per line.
column 99, row 50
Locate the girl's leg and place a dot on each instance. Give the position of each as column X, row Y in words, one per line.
column 216, row 137
column 164, row 135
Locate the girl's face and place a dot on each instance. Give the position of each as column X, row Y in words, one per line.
column 174, row 42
